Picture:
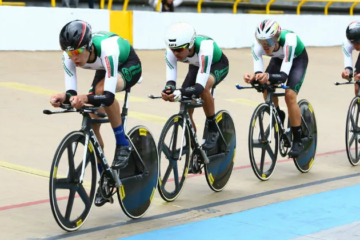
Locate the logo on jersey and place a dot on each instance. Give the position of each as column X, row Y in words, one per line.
column 109, row 66
column 204, row 63
column 288, row 53
column 127, row 74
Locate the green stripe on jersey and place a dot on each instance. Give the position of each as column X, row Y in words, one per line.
column 206, row 63
column 290, row 52
column 111, row 61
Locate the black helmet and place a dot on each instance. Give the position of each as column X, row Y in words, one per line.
column 74, row 35
column 353, row 32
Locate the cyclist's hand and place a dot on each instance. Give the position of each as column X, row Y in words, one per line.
column 262, row 78
column 78, row 101
column 249, row 77
column 345, row 74
column 165, row 96
column 167, row 92
column 57, row 99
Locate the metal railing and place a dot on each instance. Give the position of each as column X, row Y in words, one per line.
column 102, row 4
column 19, row 4
column 326, row 9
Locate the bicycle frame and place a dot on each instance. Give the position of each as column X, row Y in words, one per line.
column 90, row 136
column 184, row 107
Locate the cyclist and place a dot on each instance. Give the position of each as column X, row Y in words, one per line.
column 117, row 68
column 289, row 62
column 351, row 42
column 208, row 66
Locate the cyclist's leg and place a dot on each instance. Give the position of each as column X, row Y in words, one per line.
column 99, row 76
column 218, row 72
column 95, row 88
column 296, row 78
column 356, row 71
column 274, row 68
column 129, row 74
column 189, row 81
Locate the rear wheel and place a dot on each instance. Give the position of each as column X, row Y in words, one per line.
column 222, row 158
column 305, row 160
column 140, row 177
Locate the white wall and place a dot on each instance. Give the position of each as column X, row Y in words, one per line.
column 237, row 30
column 38, row 28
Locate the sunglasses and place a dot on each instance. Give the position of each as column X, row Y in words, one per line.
column 76, row 51
column 179, row 49
column 355, row 42
column 266, row 43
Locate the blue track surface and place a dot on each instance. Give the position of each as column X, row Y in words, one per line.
column 279, row 221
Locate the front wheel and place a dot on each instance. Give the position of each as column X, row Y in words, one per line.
column 72, row 212
column 352, row 132
column 263, row 142
column 174, row 166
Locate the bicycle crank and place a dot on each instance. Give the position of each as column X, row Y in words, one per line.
column 107, row 186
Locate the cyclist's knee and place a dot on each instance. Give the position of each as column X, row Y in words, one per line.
column 191, row 112
column 356, row 89
column 96, row 128
column 290, row 97
column 210, row 83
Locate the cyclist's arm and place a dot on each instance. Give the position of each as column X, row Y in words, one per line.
column 257, row 52
column 205, row 59
column 347, row 49
column 110, row 61
column 171, row 68
column 289, row 51
column 70, row 77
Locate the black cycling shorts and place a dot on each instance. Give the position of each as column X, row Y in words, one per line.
column 218, row 70
column 297, row 72
column 130, row 72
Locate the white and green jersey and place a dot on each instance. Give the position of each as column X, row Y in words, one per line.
column 111, row 50
column 290, row 47
column 347, row 49
column 207, row 52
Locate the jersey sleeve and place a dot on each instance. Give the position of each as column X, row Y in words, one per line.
column 205, row 59
column 110, row 59
column 171, row 66
column 289, row 52
column 347, row 49
column 70, row 73
column 257, row 52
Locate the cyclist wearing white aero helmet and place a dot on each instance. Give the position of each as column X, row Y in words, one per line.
column 208, row 66
column 289, row 61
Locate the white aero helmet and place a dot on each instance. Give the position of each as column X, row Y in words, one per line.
column 268, row 32
column 180, row 34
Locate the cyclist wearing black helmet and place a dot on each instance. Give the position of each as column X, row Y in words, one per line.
column 351, row 42
column 117, row 68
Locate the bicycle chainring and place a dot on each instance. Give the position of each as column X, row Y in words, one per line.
column 196, row 162
column 107, row 186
